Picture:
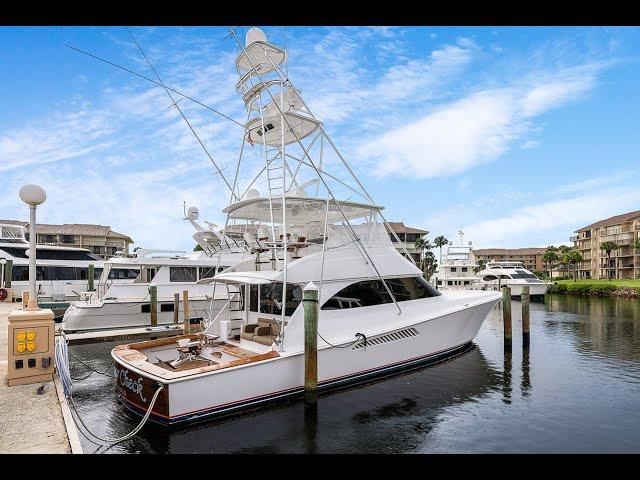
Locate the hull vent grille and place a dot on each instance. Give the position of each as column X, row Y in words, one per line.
column 389, row 337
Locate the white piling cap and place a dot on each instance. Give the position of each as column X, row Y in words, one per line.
column 310, row 286
column 254, row 34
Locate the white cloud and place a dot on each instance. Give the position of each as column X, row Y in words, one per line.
column 473, row 130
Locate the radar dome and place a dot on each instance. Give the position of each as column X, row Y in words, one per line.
column 255, row 35
column 193, row 213
column 252, row 193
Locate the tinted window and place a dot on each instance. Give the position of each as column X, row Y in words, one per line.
column 489, row 278
column 464, row 269
column 453, row 269
column 166, row 307
column 523, row 275
column 182, row 274
column 373, row 292
column 123, row 273
column 207, row 272
column 20, row 273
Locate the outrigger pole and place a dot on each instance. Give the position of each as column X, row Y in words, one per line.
column 175, row 104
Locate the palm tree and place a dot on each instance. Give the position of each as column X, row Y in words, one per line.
column 564, row 257
column 550, row 256
column 608, row 247
column 422, row 244
column 574, row 257
column 480, row 265
column 430, row 264
column 440, row 241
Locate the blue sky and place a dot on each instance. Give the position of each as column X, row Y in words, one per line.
column 517, row 135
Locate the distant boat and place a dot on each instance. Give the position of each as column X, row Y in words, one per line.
column 457, row 268
column 514, row 276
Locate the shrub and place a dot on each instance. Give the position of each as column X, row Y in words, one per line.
column 602, row 289
column 559, row 288
column 579, row 289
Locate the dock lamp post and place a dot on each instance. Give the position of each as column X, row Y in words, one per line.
column 31, row 352
column 33, row 195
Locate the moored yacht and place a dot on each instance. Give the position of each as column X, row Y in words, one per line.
column 514, row 276
column 121, row 298
column 457, row 268
column 376, row 312
column 61, row 272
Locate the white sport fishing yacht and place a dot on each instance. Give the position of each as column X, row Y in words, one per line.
column 457, row 268
column 61, row 272
column 514, row 276
column 377, row 313
column 115, row 304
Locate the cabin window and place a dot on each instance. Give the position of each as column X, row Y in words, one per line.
column 453, row 269
column 20, row 273
column 145, row 308
column 207, row 272
column 449, row 282
column 489, row 278
column 271, row 298
column 182, row 274
column 166, row 307
column 523, row 275
column 505, row 277
column 464, row 269
column 466, row 282
column 373, row 292
column 123, row 273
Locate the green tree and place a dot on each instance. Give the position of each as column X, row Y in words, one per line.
column 636, row 246
column 197, row 248
column 423, row 244
column 574, row 257
column 440, row 241
column 550, row 257
column 609, row 247
column 430, row 264
column 480, row 265
column 564, row 257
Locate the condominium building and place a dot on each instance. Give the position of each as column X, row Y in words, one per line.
column 625, row 260
column 407, row 236
column 100, row 239
column 531, row 258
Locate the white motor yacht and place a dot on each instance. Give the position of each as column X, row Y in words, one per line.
column 514, row 276
column 457, row 268
column 121, row 299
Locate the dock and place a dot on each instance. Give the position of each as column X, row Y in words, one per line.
column 32, row 422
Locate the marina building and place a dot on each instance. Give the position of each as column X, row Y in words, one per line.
column 407, row 236
column 531, row 258
column 624, row 262
column 99, row 239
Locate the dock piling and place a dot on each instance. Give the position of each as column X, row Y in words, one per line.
column 176, row 307
column 153, row 301
column 8, row 273
column 525, row 315
column 90, row 278
column 187, row 322
column 506, row 316
column 310, row 302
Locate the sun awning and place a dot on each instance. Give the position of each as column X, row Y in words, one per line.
column 233, row 277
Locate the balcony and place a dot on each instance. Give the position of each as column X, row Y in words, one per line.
column 573, row 238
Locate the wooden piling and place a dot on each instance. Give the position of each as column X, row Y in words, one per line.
column 506, row 316
column 90, row 278
column 8, row 273
column 187, row 322
column 310, row 302
column 525, row 315
column 153, row 303
column 176, row 307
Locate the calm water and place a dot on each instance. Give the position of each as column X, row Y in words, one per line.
column 576, row 390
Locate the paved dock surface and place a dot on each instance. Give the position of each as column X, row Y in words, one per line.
column 31, row 423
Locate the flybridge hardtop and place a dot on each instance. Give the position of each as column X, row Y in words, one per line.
column 314, row 222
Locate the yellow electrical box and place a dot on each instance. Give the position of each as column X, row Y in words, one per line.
column 31, row 346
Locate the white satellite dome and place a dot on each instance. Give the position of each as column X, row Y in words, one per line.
column 193, row 213
column 252, row 193
column 254, row 34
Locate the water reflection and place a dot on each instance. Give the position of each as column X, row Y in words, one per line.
column 576, row 389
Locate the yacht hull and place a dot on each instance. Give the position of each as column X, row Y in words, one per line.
column 123, row 314
column 226, row 391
